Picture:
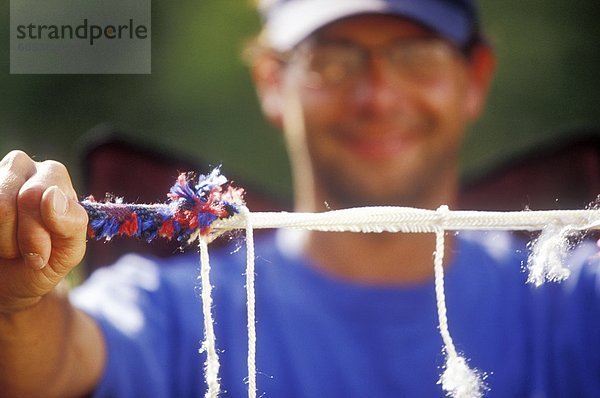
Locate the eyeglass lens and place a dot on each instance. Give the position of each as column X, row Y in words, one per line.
column 342, row 65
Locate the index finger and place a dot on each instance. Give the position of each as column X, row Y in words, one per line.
column 15, row 169
column 34, row 235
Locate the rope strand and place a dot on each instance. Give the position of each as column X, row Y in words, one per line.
column 211, row 366
column 251, row 303
column 458, row 380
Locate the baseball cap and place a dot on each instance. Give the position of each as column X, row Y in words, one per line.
column 288, row 22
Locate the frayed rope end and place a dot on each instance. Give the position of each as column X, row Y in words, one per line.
column 460, row 381
column 191, row 210
column 548, row 254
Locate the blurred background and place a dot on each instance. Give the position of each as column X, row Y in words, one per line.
column 199, row 102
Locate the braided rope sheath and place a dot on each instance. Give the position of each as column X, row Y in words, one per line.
column 412, row 220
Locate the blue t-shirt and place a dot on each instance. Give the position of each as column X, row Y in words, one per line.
column 322, row 337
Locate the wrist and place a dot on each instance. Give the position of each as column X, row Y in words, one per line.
column 31, row 308
column 14, row 307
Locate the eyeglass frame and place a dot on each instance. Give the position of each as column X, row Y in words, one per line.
column 304, row 50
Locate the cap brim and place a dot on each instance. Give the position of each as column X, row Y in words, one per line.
column 291, row 22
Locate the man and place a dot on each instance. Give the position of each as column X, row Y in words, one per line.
column 374, row 97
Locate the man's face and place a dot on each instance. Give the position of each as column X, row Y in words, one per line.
column 387, row 132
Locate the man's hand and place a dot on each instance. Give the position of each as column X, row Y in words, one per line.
column 42, row 237
column 42, row 229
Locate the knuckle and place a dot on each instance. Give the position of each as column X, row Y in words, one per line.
column 16, row 160
column 58, row 174
column 15, row 169
column 53, row 167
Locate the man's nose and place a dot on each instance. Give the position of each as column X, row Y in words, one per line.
column 382, row 89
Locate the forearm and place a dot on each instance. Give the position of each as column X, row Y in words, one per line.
column 50, row 349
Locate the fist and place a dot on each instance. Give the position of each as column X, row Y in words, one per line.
column 42, row 229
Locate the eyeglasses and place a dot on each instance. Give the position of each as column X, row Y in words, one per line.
column 332, row 64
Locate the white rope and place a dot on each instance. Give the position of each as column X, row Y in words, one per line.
column 211, row 366
column 251, row 304
column 457, row 379
column 406, row 219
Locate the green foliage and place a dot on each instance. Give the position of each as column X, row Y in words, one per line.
column 199, row 99
column 547, row 81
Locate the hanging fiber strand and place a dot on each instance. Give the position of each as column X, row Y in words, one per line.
column 205, row 209
column 209, row 345
column 251, row 303
column 458, row 380
column 547, row 261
